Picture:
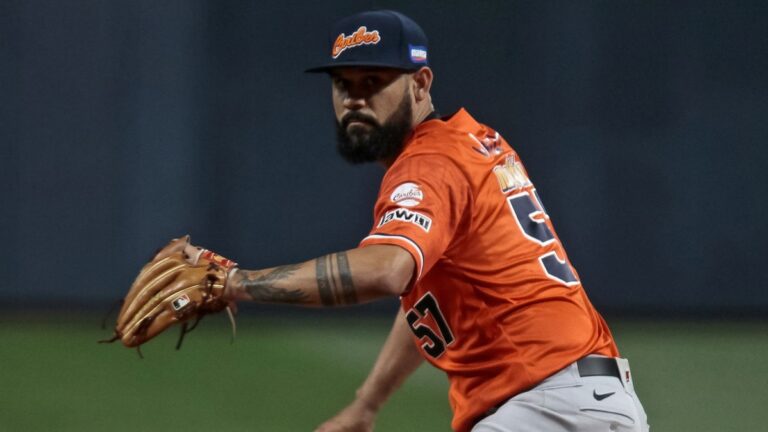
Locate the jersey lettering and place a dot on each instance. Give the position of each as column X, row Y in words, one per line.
column 558, row 269
column 530, row 219
column 435, row 344
column 525, row 212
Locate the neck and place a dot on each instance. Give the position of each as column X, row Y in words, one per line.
column 422, row 111
column 420, row 114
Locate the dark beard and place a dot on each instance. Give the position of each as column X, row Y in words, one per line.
column 379, row 142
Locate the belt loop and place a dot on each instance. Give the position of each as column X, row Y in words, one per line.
column 625, row 375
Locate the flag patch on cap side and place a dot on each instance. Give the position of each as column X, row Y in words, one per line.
column 418, row 53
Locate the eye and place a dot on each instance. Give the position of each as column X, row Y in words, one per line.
column 372, row 81
column 340, row 83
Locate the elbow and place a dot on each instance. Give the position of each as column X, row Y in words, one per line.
column 382, row 270
column 389, row 285
column 395, row 274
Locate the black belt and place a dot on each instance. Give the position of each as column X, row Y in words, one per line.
column 598, row 366
column 588, row 366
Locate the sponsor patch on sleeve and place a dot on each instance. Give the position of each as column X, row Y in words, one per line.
column 407, row 195
column 405, row 215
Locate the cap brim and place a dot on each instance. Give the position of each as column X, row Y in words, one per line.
column 336, row 65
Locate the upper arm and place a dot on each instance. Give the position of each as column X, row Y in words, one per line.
column 422, row 202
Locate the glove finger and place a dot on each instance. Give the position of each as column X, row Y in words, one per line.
column 149, row 272
column 148, row 329
column 183, row 292
column 177, row 303
column 175, row 245
column 168, row 291
column 148, row 284
column 152, row 268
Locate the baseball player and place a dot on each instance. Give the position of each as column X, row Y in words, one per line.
column 460, row 235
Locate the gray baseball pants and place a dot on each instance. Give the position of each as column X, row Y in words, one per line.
column 568, row 402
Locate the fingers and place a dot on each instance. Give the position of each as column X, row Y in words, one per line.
column 328, row 426
column 350, row 419
column 332, row 426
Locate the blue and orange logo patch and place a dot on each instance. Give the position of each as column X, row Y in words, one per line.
column 360, row 37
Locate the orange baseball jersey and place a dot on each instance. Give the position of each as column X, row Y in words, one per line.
column 495, row 303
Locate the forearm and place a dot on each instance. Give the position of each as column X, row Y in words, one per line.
column 397, row 360
column 354, row 276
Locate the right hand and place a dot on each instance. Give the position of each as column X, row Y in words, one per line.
column 356, row 417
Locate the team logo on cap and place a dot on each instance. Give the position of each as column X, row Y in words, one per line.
column 360, row 37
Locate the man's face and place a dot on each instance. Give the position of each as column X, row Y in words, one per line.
column 373, row 109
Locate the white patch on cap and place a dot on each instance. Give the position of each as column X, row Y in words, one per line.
column 180, row 302
column 418, row 53
column 407, row 195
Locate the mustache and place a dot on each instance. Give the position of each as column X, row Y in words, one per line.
column 356, row 116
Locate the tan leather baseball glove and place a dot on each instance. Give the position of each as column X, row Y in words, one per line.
column 181, row 284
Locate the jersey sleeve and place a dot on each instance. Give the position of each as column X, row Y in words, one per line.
column 421, row 203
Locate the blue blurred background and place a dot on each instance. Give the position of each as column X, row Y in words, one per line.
column 644, row 125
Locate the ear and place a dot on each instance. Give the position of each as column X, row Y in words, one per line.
column 422, row 83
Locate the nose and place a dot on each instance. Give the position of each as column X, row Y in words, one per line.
column 354, row 103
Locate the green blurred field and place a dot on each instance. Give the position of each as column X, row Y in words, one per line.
column 291, row 374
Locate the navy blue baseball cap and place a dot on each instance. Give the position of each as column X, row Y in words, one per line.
column 381, row 38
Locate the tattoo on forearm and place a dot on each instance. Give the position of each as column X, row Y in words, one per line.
column 345, row 274
column 323, row 283
column 262, row 287
column 334, row 280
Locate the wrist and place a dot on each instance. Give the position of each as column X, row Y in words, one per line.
column 367, row 401
column 234, row 285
